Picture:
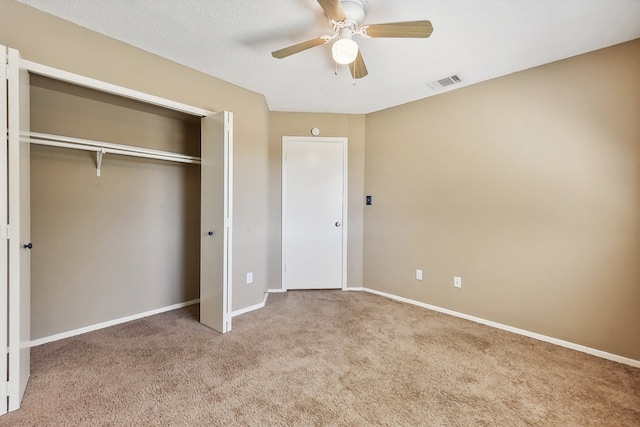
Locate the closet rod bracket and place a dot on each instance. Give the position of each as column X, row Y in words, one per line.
column 99, row 155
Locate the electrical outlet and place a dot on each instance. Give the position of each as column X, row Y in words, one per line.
column 457, row 281
column 418, row 274
column 249, row 278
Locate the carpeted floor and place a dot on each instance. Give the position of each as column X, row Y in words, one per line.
column 322, row 358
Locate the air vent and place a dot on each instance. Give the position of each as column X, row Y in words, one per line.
column 446, row 82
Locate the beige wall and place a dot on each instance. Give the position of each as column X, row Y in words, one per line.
column 45, row 39
column 331, row 125
column 527, row 186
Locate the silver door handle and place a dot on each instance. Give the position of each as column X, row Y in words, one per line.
column 338, row 223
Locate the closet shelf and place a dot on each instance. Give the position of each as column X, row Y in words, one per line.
column 101, row 148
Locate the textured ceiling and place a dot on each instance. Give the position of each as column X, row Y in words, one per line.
column 477, row 40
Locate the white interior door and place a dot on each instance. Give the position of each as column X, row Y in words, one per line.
column 314, row 216
column 19, row 232
column 216, row 213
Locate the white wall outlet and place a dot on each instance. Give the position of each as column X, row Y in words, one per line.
column 418, row 274
column 457, row 281
column 249, row 278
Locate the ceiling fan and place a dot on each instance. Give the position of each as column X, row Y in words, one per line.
column 347, row 17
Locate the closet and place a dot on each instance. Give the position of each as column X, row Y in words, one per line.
column 114, row 234
column 127, row 197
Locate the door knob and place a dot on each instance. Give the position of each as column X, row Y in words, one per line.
column 28, row 246
column 338, row 223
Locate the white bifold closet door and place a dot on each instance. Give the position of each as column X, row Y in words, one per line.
column 4, row 230
column 216, row 213
column 19, row 266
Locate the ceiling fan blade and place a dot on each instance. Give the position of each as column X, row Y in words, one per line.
column 412, row 29
column 333, row 9
column 308, row 44
column 357, row 67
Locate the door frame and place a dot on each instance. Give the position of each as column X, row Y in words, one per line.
column 345, row 175
column 4, row 233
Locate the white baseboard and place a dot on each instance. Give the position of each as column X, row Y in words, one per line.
column 540, row 337
column 275, row 291
column 354, row 288
column 252, row 307
column 114, row 322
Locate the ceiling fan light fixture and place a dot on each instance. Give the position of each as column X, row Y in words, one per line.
column 344, row 50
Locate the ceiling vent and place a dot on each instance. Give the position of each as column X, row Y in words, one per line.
column 446, row 82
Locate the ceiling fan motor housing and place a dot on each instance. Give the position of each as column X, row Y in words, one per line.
column 354, row 11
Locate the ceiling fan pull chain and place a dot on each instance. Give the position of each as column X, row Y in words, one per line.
column 336, row 72
column 353, row 73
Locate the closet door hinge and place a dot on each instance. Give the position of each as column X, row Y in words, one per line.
column 5, row 232
column 4, row 389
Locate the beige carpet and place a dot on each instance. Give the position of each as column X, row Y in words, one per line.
column 322, row 358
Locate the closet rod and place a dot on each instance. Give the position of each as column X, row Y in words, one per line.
column 102, row 148
column 107, row 150
column 90, row 145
